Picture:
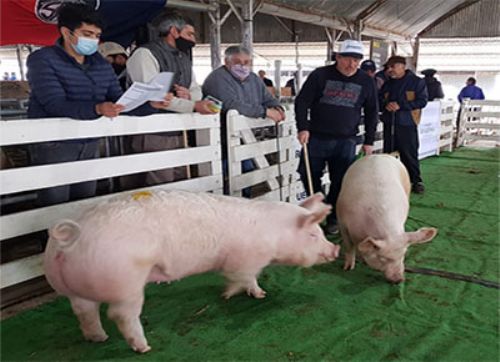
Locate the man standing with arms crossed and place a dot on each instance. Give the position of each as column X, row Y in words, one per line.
column 333, row 96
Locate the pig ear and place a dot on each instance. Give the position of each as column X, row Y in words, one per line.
column 311, row 202
column 370, row 245
column 316, row 215
column 422, row 235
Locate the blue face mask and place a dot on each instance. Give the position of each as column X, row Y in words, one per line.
column 86, row 46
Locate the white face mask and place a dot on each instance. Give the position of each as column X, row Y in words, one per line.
column 240, row 71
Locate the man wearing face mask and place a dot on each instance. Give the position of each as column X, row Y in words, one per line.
column 168, row 53
column 328, row 112
column 70, row 79
column 240, row 89
column 117, row 56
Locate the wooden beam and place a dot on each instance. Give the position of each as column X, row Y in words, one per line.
column 370, row 9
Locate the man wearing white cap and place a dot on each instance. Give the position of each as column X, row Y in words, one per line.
column 328, row 112
column 117, row 56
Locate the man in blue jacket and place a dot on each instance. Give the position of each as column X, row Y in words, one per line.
column 471, row 90
column 328, row 112
column 70, row 79
column 402, row 98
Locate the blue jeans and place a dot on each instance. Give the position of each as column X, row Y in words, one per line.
column 338, row 155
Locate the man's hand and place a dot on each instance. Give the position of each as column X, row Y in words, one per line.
column 282, row 112
column 367, row 149
column 108, row 109
column 303, row 137
column 275, row 114
column 203, row 107
column 182, row 92
column 392, row 106
column 162, row 104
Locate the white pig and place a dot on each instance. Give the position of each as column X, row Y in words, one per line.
column 372, row 208
column 115, row 248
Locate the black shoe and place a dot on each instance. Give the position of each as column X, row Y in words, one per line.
column 332, row 228
column 418, row 188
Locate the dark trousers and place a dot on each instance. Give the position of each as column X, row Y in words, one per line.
column 246, row 166
column 405, row 141
column 56, row 152
column 338, row 155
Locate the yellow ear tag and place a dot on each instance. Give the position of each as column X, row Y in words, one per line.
column 141, row 195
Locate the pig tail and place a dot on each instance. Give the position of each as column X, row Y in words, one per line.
column 65, row 232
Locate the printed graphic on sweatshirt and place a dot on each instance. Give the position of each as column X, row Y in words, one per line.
column 338, row 93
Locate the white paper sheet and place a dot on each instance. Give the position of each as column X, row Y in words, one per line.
column 140, row 93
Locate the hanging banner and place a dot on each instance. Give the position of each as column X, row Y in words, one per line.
column 379, row 52
column 429, row 130
column 34, row 21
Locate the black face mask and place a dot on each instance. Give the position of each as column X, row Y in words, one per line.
column 118, row 68
column 184, row 45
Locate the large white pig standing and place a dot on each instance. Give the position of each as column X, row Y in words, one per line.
column 115, row 248
column 372, row 208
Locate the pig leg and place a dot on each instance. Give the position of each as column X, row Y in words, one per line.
column 350, row 250
column 87, row 312
column 238, row 282
column 126, row 316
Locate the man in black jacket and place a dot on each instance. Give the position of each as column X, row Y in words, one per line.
column 434, row 88
column 328, row 112
column 402, row 98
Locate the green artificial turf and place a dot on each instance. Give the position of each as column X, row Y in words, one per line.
column 322, row 313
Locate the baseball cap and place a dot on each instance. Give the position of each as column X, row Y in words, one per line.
column 394, row 60
column 368, row 65
column 429, row 72
column 351, row 48
column 111, row 48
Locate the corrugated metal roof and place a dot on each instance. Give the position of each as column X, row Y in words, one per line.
column 479, row 20
column 404, row 17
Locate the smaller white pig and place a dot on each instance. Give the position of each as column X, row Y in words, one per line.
column 372, row 208
column 115, row 248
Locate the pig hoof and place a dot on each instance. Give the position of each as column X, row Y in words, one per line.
column 96, row 337
column 258, row 294
column 227, row 295
column 348, row 266
column 142, row 349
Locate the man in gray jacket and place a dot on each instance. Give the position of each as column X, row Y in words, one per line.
column 239, row 88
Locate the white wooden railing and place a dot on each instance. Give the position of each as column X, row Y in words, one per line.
column 447, row 126
column 243, row 144
column 479, row 121
column 206, row 154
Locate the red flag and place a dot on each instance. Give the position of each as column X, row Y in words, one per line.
column 21, row 25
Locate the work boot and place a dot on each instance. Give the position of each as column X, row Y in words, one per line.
column 418, row 188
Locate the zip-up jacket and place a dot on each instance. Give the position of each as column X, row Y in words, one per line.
column 410, row 92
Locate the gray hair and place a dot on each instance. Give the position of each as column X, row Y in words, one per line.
column 166, row 20
column 235, row 49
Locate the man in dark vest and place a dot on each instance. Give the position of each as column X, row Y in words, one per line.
column 167, row 53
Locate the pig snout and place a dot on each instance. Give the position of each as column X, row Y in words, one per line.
column 330, row 254
column 395, row 277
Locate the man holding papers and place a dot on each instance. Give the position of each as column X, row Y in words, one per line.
column 168, row 53
column 70, row 79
